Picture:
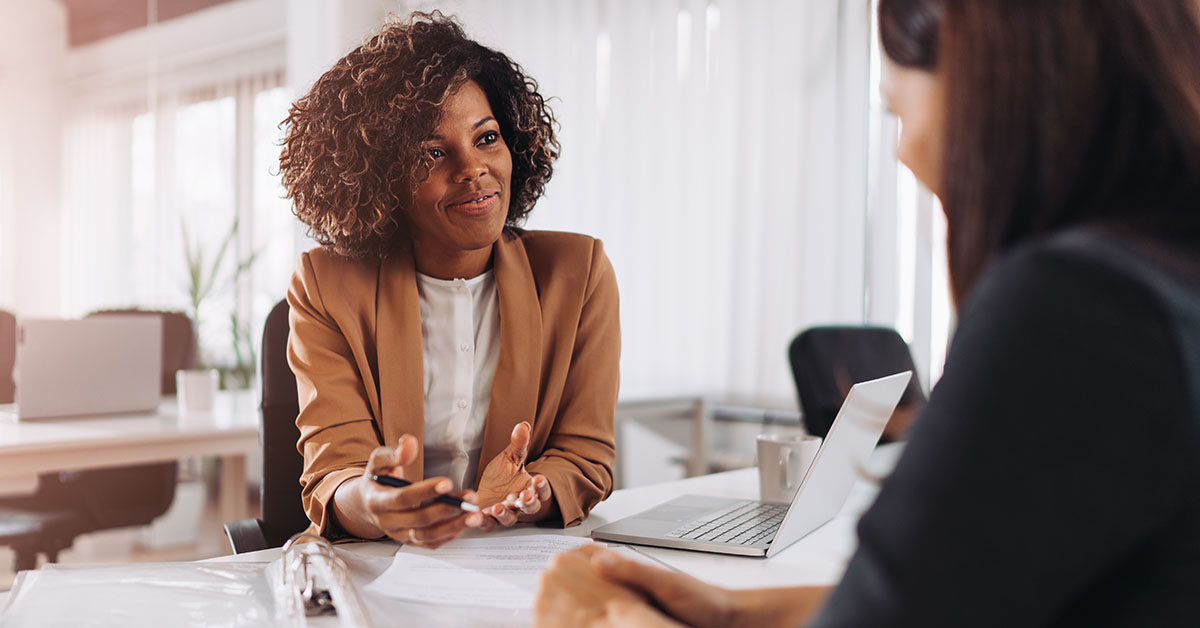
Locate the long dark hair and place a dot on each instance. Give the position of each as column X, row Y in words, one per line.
column 1058, row 113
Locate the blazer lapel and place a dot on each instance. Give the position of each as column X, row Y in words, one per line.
column 401, row 368
column 514, row 394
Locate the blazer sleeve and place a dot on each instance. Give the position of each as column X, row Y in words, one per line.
column 337, row 433
column 579, row 453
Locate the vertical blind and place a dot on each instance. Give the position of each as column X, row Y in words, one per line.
column 720, row 150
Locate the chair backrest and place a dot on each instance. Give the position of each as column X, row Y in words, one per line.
column 179, row 342
column 282, row 512
column 116, row 497
column 827, row 361
column 8, row 355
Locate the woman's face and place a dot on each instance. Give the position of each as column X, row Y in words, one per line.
column 915, row 96
column 459, row 211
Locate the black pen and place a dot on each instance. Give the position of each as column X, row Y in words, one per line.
column 388, row 480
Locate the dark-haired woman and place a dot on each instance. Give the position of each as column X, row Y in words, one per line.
column 1054, row 477
column 432, row 339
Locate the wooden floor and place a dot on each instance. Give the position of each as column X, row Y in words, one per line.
column 191, row 530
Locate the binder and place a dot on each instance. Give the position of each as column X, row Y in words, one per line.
column 308, row 585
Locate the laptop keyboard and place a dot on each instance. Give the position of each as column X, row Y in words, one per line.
column 743, row 523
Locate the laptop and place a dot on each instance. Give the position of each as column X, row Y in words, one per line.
column 102, row 365
column 753, row 528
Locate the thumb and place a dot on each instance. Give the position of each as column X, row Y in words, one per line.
column 518, row 444
column 406, row 452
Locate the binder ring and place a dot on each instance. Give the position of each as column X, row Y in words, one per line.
column 302, row 565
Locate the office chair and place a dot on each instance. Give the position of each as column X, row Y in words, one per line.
column 71, row 503
column 827, row 361
column 282, row 512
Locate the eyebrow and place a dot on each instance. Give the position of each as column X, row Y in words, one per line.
column 476, row 126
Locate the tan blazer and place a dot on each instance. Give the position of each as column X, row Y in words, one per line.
column 355, row 346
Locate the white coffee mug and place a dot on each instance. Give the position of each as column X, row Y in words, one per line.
column 195, row 390
column 782, row 462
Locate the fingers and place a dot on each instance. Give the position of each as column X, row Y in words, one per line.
column 434, row 535
column 518, row 444
column 527, row 502
column 410, row 497
column 631, row 573
column 412, row 506
column 542, row 486
column 503, row 515
column 478, row 520
column 530, row 501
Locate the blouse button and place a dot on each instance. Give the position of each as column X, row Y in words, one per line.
column 465, row 347
column 462, row 403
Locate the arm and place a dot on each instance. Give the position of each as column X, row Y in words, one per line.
column 591, row 583
column 338, row 436
column 1022, row 482
column 579, row 454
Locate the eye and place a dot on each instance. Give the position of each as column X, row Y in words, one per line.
column 491, row 137
column 436, row 153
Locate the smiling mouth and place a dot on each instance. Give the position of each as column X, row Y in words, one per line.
column 480, row 202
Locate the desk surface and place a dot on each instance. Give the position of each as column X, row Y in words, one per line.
column 31, row 447
column 819, row 558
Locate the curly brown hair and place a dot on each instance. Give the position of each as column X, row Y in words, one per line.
column 353, row 152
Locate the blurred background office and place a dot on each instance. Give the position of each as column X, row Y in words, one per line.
column 734, row 156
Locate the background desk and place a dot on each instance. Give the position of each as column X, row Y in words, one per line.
column 29, row 448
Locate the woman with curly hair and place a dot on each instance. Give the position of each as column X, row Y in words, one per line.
column 432, row 338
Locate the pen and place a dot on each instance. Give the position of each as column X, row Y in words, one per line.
column 388, row 480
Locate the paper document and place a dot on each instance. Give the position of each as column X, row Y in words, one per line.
column 493, row 572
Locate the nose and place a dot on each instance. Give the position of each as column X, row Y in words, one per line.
column 469, row 167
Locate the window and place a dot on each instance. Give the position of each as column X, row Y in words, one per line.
column 178, row 206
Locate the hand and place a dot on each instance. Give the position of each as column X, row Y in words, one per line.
column 683, row 597
column 507, row 491
column 573, row 594
column 408, row 514
column 701, row 604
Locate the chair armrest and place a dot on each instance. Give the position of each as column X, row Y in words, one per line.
column 246, row 535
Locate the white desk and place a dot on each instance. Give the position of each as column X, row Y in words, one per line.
column 28, row 448
column 819, row 558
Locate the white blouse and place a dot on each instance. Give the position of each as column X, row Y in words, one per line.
column 460, row 345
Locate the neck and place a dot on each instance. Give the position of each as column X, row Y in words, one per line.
column 460, row 265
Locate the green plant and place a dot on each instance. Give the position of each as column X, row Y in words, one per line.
column 203, row 275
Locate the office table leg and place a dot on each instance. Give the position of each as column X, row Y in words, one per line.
column 233, row 488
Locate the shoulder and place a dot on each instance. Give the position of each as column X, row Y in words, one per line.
column 323, row 260
column 561, row 254
column 1069, row 274
column 556, row 244
column 326, row 275
column 1062, row 317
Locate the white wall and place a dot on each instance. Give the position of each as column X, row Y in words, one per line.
column 32, row 56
